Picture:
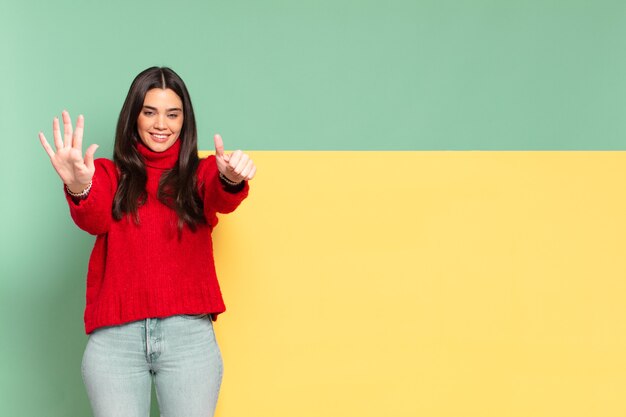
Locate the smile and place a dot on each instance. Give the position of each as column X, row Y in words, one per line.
column 159, row 137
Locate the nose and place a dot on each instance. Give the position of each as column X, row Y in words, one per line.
column 160, row 122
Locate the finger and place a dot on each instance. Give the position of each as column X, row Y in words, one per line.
column 246, row 170
column 234, row 159
column 89, row 155
column 243, row 161
column 251, row 174
column 226, row 157
column 56, row 131
column 219, row 145
column 78, row 134
column 67, row 127
column 46, row 145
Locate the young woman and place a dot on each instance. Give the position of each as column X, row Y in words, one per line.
column 152, row 291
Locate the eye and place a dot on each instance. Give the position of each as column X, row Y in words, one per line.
column 173, row 115
column 148, row 112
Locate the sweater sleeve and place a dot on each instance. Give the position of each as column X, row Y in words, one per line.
column 213, row 193
column 94, row 213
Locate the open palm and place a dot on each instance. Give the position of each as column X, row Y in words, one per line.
column 75, row 170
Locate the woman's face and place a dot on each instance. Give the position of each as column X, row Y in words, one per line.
column 161, row 119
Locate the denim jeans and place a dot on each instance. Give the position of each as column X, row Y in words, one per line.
column 179, row 353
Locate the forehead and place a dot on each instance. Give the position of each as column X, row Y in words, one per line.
column 162, row 98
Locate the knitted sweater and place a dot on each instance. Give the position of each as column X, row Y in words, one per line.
column 148, row 270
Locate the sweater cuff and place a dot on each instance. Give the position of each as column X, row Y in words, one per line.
column 232, row 189
column 87, row 202
column 76, row 201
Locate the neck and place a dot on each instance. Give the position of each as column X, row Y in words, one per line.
column 160, row 160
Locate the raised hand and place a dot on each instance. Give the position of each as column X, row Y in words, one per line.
column 75, row 171
column 236, row 166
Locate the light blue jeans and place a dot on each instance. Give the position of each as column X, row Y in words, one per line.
column 179, row 353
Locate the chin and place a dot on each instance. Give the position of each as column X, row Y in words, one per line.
column 160, row 147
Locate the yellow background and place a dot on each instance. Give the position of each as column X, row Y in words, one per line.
column 426, row 284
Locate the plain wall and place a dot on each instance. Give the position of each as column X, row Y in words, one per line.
column 366, row 274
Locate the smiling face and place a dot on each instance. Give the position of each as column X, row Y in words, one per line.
column 160, row 119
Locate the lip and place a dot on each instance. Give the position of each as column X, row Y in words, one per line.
column 159, row 137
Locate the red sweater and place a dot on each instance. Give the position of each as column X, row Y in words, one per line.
column 145, row 270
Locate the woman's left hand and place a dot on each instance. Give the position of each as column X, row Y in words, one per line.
column 236, row 166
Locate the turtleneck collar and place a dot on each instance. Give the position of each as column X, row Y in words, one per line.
column 160, row 160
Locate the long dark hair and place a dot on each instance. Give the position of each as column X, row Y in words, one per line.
column 177, row 187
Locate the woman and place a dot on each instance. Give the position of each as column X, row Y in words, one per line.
column 152, row 291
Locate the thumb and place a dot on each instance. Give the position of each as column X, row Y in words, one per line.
column 219, row 145
column 89, row 153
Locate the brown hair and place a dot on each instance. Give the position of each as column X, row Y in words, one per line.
column 177, row 187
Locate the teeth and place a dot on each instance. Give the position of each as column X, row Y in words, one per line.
column 160, row 136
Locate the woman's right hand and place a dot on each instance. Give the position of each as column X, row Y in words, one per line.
column 75, row 171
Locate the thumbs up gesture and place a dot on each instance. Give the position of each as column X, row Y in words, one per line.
column 236, row 166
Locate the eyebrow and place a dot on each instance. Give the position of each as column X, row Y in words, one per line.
column 167, row 110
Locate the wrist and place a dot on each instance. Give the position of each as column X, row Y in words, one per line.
column 78, row 190
column 228, row 181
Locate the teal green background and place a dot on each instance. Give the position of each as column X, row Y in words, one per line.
column 310, row 75
column 273, row 75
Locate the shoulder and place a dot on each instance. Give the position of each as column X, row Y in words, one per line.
column 106, row 168
column 209, row 160
column 104, row 163
column 207, row 167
